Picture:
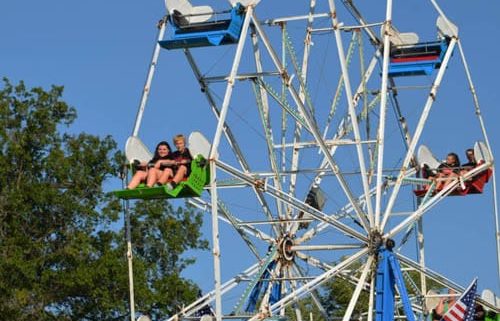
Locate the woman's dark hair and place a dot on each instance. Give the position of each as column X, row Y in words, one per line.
column 156, row 155
column 457, row 160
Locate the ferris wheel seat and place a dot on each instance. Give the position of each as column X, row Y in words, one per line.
column 418, row 59
column 473, row 186
column 205, row 34
column 192, row 186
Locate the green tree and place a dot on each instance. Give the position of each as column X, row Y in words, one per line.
column 60, row 256
column 338, row 293
column 161, row 235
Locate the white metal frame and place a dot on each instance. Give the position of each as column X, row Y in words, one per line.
column 367, row 209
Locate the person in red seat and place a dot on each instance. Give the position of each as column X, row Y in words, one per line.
column 182, row 160
column 471, row 161
column 447, row 171
column 471, row 158
column 153, row 171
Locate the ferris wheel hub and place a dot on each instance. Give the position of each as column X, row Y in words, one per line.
column 375, row 241
column 285, row 249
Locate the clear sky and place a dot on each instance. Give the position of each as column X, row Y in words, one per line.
column 100, row 52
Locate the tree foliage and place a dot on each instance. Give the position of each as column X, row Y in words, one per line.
column 62, row 250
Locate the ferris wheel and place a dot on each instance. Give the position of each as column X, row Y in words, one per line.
column 318, row 166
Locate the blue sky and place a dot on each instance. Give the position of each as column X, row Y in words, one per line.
column 100, row 51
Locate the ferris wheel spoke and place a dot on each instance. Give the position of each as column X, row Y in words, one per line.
column 294, row 202
column 416, row 136
column 330, row 247
column 357, row 290
column 371, row 299
column 313, row 284
column 309, row 259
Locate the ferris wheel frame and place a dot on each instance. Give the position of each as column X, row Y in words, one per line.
column 374, row 219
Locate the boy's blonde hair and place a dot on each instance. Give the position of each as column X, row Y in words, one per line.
column 179, row 137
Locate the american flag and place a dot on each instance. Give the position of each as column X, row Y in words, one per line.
column 463, row 309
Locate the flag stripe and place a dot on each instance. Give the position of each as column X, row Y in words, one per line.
column 447, row 318
column 458, row 315
column 460, row 306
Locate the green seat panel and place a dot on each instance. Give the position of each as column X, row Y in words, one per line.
column 192, row 187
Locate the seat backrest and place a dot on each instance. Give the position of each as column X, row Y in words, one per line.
column 135, row 149
column 199, row 145
column 488, row 296
column 400, row 38
column 425, row 157
column 200, row 13
column 482, row 153
column 446, row 28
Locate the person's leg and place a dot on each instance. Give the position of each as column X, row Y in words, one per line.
column 179, row 174
column 165, row 175
column 139, row 176
column 450, row 178
column 440, row 181
column 153, row 176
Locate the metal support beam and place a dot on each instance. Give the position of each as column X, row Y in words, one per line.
column 149, row 79
column 213, row 155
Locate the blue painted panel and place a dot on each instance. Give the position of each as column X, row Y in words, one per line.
column 215, row 33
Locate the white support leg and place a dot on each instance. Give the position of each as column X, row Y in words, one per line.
column 130, row 261
column 383, row 109
column 213, row 153
column 421, row 254
column 357, row 290
column 149, row 79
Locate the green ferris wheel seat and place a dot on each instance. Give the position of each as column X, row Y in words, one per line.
column 191, row 187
